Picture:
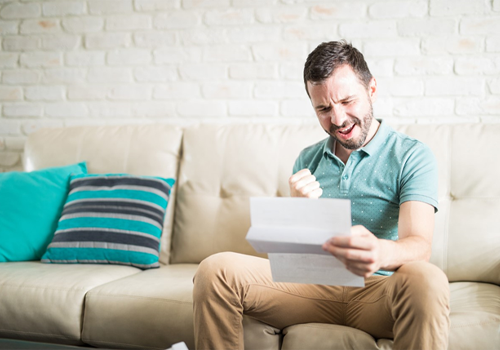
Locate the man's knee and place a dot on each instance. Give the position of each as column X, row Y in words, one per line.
column 427, row 274
column 217, row 272
column 214, row 268
column 424, row 282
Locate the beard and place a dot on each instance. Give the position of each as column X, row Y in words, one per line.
column 364, row 126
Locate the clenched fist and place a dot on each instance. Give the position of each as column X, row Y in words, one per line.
column 304, row 184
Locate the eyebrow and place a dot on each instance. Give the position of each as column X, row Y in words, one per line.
column 350, row 97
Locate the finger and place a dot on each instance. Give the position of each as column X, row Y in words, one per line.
column 306, row 180
column 298, row 175
column 356, row 255
column 315, row 194
column 358, row 268
column 359, row 230
column 309, row 187
column 355, row 242
column 353, row 255
column 365, row 270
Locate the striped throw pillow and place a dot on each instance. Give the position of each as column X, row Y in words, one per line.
column 111, row 219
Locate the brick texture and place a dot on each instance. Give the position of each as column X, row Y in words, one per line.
column 84, row 62
column 8, row 59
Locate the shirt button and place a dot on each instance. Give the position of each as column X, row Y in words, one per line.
column 345, row 177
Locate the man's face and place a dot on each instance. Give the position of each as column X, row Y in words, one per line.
column 344, row 107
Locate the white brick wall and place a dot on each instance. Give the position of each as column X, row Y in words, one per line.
column 80, row 62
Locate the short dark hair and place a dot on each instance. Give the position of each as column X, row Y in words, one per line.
column 328, row 56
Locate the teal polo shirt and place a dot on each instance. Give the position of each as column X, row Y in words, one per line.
column 391, row 169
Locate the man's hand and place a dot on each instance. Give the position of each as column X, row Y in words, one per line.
column 359, row 252
column 304, row 184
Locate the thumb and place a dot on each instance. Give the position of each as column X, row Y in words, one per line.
column 359, row 230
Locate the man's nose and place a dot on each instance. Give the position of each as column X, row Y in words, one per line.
column 338, row 115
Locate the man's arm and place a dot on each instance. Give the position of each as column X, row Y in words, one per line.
column 363, row 253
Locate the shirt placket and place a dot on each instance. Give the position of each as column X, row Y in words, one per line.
column 347, row 172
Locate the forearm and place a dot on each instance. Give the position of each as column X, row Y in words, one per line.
column 396, row 253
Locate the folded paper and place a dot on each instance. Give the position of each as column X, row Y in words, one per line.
column 292, row 232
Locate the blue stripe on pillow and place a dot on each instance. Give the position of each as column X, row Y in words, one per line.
column 118, row 224
column 102, row 256
column 137, row 195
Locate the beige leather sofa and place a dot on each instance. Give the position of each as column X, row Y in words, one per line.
column 218, row 167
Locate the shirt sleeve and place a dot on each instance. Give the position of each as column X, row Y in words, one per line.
column 298, row 164
column 419, row 176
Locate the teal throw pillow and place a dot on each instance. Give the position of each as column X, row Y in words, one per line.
column 30, row 206
column 111, row 219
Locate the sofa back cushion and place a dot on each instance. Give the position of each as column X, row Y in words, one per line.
column 466, row 243
column 151, row 150
column 222, row 166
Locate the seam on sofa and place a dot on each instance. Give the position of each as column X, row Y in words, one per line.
column 36, row 333
column 446, row 239
column 127, row 151
column 447, row 219
column 308, row 325
column 473, row 197
column 474, row 324
column 446, row 223
column 139, row 297
column 100, row 342
column 180, row 157
column 79, row 147
column 47, row 288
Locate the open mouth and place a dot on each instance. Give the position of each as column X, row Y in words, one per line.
column 346, row 132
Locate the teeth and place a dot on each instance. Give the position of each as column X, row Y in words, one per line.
column 344, row 131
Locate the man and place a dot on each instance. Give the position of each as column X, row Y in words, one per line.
column 391, row 180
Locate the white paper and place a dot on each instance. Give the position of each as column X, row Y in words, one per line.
column 292, row 231
column 178, row 346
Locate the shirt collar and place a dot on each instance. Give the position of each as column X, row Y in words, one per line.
column 329, row 147
column 372, row 146
column 378, row 139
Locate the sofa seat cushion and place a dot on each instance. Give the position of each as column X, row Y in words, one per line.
column 475, row 316
column 258, row 335
column 153, row 309
column 475, row 324
column 43, row 302
column 321, row 336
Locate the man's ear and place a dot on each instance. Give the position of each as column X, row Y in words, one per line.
column 372, row 89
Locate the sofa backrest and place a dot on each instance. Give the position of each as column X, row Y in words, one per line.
column 152, row 150
column 222, row 166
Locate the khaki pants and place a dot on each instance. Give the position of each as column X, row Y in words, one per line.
column 411, row 306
